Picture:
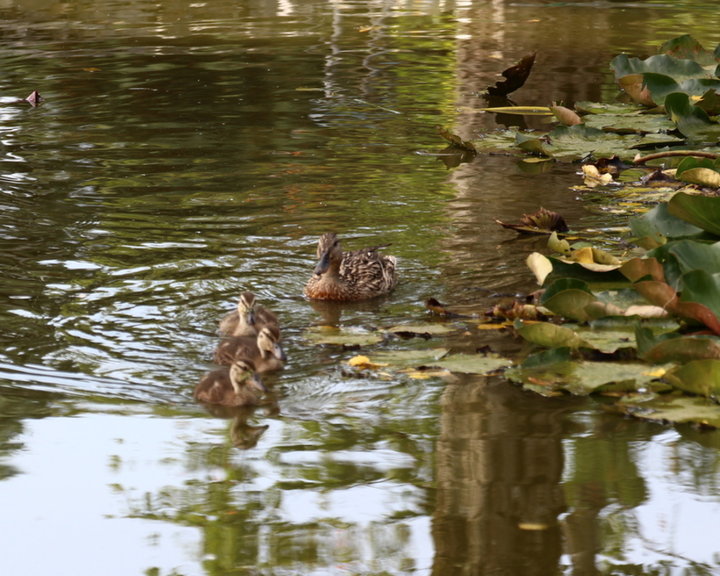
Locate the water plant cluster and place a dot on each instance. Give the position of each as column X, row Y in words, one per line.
column 641, row 323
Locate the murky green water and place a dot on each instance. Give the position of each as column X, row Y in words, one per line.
column 188, row 151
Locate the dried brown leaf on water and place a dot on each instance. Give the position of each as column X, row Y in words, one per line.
column 436, row 307
column 592, row 176
column 565, row 116
column 515, row 77
column 541, row 222
column 455, row 140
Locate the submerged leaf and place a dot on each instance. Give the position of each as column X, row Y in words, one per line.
column 342, row 336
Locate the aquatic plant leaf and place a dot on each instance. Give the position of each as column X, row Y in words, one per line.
column 658, row 225
column 422, row 329
column 639, row 268
column 515, row 77
column 700, row 211
column 540, row 222
column 583, row 378
column 565, row 116
column 550, row 335
column 408, row 358
column 629, row 123
column 674, row 409
column 691, row 255
column 677, row 68
column 700, row 377
column 569, row 298
column 675, row 347
column 699, row 286
column 455, row 141
column 692, row 121
column 540, row 266
column 635, row 87
column 687, row 47
column 473, row 363
column 342, row 336
column 595, row 274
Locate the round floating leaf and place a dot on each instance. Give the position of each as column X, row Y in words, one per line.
column 675, row 409
column 659, row 224
column 569, row 298
column 551, row 335
column 701, row 211
column 409, row 358
column 420, row 329
column 674, row 347
column 473, row 363
column 701, row 377
column 342, row 336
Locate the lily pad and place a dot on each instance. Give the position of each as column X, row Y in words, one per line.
column 550, row 335
column 700, row 377
column 408, row 358
column 674, row 347
column 700, row 211
column 473, row 363
column 342, row 336
column 422, row 329
column 583, row 378
column 673, row 408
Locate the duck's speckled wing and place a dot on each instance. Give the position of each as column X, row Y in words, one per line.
column 369, row 271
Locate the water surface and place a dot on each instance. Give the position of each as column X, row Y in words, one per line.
column 186, row 152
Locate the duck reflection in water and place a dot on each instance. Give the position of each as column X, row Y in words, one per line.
column 349, row 276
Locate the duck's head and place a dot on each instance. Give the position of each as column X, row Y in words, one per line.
column 328, row 251
column 268, row 341
column 242, row 375
column 246, row 307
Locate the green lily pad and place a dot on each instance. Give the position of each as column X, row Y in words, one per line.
column 583, row 378
column 700, row 377
column 700, row 211
column 409, row 358
column 569, row 298
column 703, row 288
column 421, row 329
column 629, row 123
column 691, row 120
column 677, row 68
column 672, row 408
column 674, row 347
column 659, row 224
column 472, row 363
column 550, row 335
column 342, row 336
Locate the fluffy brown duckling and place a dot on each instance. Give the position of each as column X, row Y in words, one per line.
column 356, row 275
column 264, row 350
column 236, row 385
column 248, row 318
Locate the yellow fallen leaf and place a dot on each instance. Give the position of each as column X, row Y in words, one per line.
column 494, row 326
column 363, row 362
column 659, row 373
column 583, row 255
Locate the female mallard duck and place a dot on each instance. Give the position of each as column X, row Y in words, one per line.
column 264, row 350
column 356, row 275
column 236, row 385
column 247, row 319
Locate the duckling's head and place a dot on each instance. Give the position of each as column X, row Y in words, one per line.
column 242, row 375
column 329, row 251
column 246, row 307
column 268, row 342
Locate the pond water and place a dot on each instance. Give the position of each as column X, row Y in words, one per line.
column 185, row 152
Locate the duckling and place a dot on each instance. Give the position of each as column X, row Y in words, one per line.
column 264, row 351
column 236, row 385
column 356, row 275
column 247, row 319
